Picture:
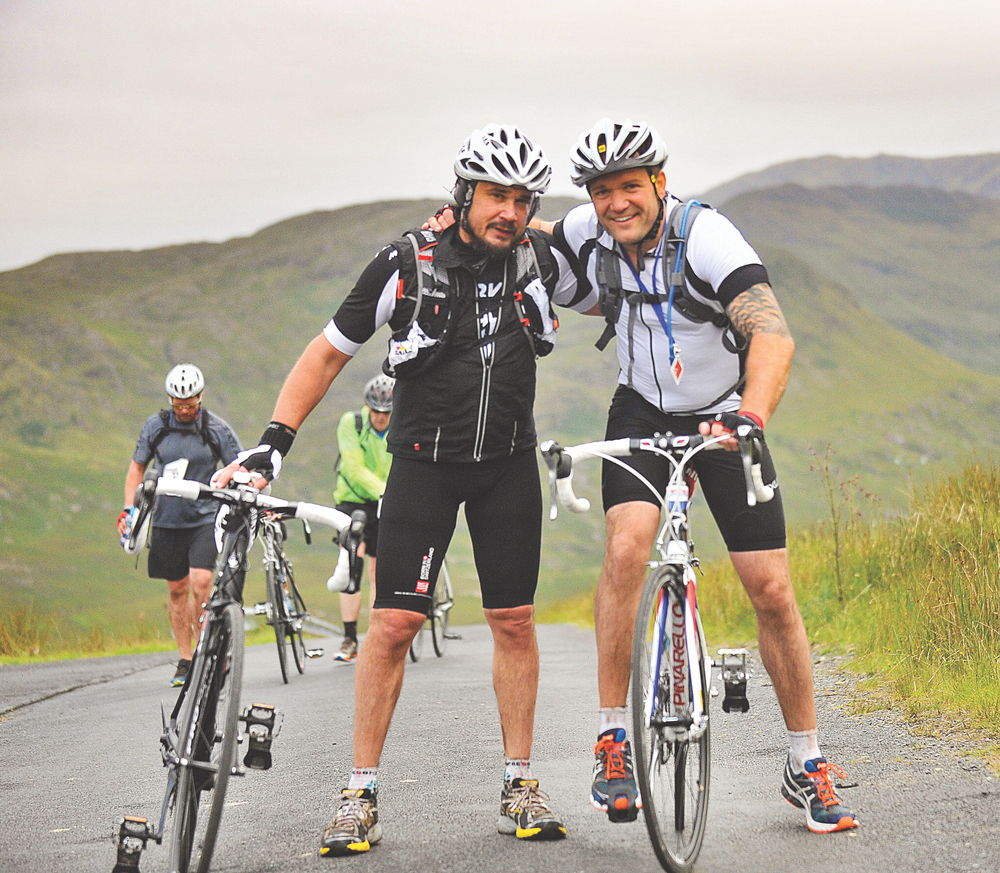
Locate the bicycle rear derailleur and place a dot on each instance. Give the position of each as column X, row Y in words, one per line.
column 734, row 668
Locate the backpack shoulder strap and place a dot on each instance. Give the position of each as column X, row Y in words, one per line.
column 208, row 438
column 359, row 423
column 154, row 443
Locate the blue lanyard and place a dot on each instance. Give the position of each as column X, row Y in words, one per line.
column 667, row 322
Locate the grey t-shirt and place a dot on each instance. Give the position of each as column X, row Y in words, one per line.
column 185, row 455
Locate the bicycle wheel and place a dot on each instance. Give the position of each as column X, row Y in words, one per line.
column 444, row 600
column 296, row 610
column 207, row 733
column 673, row 773
column 279, row 618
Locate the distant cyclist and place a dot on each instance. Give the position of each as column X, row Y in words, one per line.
column 185, row 442
column 470, row 311
column 364, row 467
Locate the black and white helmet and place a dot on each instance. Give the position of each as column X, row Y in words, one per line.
column 500, row 153
column 609, row 147
column 184, row 381
column 378, row 394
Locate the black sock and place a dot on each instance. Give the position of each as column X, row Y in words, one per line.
column 351, row 630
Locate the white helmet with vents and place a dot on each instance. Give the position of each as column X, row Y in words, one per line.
column 184, row 381
column 609, row 147
column 378, row 394
column 500, row 153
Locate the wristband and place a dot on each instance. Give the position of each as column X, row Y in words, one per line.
column 754, row 418
column 280, row 436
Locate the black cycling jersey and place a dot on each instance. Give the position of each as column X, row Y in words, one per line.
column 474, row 402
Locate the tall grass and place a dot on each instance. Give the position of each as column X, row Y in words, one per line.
column 915, row 598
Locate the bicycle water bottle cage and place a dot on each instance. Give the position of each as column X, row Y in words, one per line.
column 735, row 670
column 262, row 724
column 132, row 836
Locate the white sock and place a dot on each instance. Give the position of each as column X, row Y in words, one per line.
column 802, row 746
column 364, row 777
column 514, row 768
column 611, row 718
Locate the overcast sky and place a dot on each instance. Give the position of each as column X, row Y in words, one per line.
column 138, row 123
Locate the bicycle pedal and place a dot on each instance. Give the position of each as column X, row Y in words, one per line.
column 133, row 833
column 735, row 670
column 258, row 609
column 263, row 723
column 314, row 653
column 452, row 636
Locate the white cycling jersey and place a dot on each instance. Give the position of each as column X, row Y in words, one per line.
column 721, row 264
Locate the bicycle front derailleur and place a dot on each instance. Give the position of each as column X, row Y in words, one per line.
column 735, row 669
column 263, row 723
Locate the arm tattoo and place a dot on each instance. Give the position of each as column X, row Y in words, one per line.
column 757, row 311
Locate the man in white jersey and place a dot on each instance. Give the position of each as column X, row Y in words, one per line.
column 680, row 371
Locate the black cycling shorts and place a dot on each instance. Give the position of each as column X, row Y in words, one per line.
column 371, row 523
column 503, row 508
column 720, row 475
column 174, row 551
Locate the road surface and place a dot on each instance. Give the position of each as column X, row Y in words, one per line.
column 79, row 749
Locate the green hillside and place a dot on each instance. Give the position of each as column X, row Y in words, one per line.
column 89, row 337
column 926, row 261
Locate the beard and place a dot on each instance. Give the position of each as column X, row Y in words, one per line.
column 481, row 246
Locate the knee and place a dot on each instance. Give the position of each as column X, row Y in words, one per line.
column 774, row 599
column 179, row 588
column 515, row 625
column 394, row 628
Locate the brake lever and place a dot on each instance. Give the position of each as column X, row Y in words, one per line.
column 552, row 452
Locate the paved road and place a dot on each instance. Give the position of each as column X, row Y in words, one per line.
column 78, row 749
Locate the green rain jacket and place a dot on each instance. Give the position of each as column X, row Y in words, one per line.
column 364, row 461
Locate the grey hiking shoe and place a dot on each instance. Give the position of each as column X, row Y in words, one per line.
column 525, row 813
column 355, row 826
column 812, row 791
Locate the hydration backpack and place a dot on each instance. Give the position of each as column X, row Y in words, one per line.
column 612, row 295
column 421, row 337
column 203, row 431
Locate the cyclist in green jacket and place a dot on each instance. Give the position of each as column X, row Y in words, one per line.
column 364, row 467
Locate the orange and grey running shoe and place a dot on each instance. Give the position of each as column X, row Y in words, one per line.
column 355, row 826
column 614, row 790
column 813, row 792
column 525, row 813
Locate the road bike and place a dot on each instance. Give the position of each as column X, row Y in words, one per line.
column 671, row 667
column 437, row 617
column 284, row 609
column 200, row 737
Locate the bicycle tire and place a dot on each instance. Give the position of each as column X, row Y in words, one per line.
column 279, row 620
column 299, row 612
column 444, row 599
column 673, row 775
column 207, row 733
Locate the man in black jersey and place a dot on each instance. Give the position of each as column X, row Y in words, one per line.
column 470, row 310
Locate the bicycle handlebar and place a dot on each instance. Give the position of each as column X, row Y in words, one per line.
column 560, row 460
column 239, row 496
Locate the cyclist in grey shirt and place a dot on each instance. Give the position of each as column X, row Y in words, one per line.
column 184, row 442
